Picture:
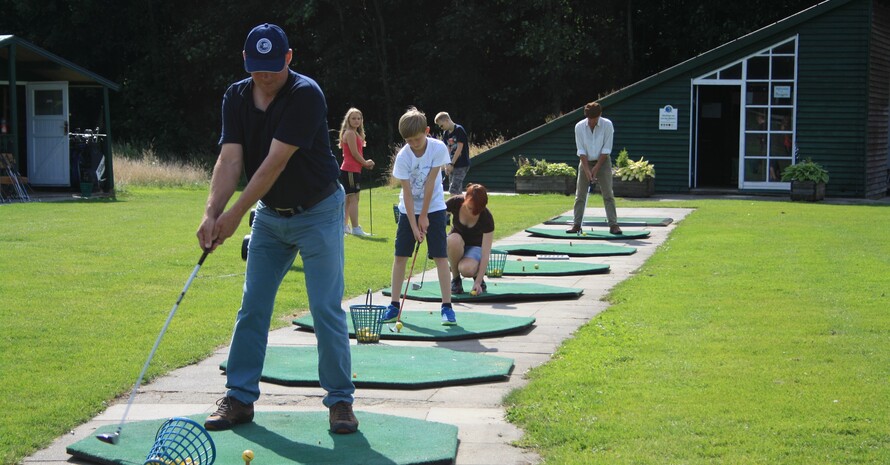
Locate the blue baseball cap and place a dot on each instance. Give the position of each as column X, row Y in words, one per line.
column 265, row 49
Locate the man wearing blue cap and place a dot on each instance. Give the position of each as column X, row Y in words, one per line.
column 274, row 128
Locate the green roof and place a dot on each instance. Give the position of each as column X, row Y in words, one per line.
column 35, row 59
column 569, row 119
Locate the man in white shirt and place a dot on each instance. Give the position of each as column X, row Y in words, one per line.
column 593, row 137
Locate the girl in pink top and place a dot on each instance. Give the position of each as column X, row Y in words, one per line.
column 352, row 142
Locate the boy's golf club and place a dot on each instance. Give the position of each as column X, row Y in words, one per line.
column 113, row 438
column 417, row 287
column 405, row 294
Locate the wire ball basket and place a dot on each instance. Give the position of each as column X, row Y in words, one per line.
column 182, row 441
column 366, row 319
column 497, row 260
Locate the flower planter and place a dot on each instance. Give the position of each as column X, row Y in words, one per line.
column 633, row 188
column 808, row 191
column 538, row 184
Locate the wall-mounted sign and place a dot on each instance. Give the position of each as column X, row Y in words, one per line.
column 782, row 92
column 667, row 118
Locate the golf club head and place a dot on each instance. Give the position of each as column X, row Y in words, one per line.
column 110, row 438
column 416, row 286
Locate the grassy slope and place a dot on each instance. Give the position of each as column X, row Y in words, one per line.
column 87, row 286
column 758, row 334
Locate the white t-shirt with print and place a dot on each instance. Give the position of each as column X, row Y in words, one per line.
column 416, row 169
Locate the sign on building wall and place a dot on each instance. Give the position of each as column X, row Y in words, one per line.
column 667, row 118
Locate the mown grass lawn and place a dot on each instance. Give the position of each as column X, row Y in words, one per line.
column 86, row 287
column 759, row 333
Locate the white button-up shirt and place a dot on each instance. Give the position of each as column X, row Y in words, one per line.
column 595, row 142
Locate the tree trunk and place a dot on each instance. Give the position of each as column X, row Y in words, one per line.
column 378, row 35
column 630, row 41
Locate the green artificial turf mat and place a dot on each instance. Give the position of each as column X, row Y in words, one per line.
column 293, row 438
column 586, row 234
column 498, row 291
column 601, row 221
column 427, row 326
column 571, row 249
column 387, row 367
column 552, row 268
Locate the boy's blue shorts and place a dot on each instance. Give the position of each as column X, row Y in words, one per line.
column 435, row 236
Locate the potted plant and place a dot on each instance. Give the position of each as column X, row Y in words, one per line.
column 808, row 180
column 542, row 176
column 632, row 178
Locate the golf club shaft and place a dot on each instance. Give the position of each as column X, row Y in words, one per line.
column 158, row 340
column 408, row 284
column 425, row 263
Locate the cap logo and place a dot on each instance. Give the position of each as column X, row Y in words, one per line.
column 264, row 46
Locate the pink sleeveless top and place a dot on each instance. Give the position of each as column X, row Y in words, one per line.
column 349, row 163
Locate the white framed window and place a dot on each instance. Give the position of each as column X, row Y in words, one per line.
column 768, row 80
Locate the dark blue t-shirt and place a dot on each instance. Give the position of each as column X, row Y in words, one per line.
column 458, row 134
column 296, row 116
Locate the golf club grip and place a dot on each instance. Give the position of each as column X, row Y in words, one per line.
column 203, row 257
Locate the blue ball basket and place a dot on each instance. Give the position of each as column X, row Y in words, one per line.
column 366, row 320
column 181, row 441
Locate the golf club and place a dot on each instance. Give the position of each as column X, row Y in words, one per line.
column 371, row 208
column 405, row 294
column 417, row 287
column 113, row 438
column 586, row 198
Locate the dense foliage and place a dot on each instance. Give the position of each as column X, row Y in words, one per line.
column 500, row 67
column 627, row 169
column 806, row 170
column 542, row 168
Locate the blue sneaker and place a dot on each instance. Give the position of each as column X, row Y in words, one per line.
column 391, row 314
column 448, row 318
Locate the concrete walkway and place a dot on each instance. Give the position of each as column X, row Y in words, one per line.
column 485, row 436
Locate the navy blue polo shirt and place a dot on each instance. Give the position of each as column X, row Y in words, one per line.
column 296, row 116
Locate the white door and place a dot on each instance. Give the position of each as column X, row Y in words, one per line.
column 47, row 121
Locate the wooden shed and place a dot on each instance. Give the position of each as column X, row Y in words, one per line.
column 813, row 85
column 48, row 101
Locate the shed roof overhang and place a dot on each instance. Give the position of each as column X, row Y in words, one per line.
column 33, row 63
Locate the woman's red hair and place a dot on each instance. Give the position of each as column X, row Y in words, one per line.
column 476, row 198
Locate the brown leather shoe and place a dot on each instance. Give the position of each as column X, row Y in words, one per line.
column 342, row 419
column 231, row 412
column 614, row 229
column 575, row 229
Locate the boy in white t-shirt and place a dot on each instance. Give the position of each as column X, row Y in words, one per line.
column 418, row 167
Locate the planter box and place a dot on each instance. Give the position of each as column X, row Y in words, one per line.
column 539, row 184
column 633, row 188
column 807, row 190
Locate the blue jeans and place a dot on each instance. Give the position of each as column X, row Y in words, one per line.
column 317, row 235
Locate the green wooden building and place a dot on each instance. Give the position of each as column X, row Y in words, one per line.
column 46, row 100
column 813, row 85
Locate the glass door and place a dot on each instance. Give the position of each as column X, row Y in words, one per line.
column 770, row 93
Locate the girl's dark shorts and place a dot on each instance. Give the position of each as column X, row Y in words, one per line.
column 352, row 182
